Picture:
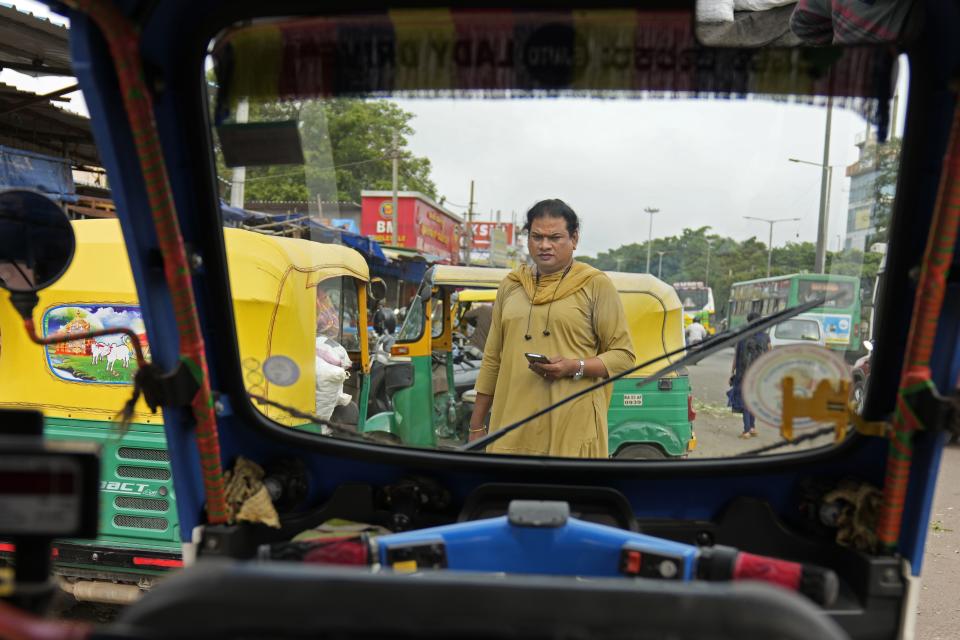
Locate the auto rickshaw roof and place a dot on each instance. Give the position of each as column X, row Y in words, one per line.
column 461, row 276
column 269, row 255
column 645, row 283
column 324, row 260
column 624, row 282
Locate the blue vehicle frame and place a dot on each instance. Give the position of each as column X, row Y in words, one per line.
column 691, row 491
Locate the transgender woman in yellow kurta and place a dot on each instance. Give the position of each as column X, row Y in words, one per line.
column 585, row 320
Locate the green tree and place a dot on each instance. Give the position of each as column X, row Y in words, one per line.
column 685, row 259
column 347, row 147
column 887, row 159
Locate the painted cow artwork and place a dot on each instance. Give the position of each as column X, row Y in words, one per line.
column 102, row 360
column 119, row 352
column 99, row 351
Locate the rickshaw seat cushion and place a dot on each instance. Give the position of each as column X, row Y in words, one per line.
column 397, row 376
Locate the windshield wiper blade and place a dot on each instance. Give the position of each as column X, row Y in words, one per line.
column 695, row 353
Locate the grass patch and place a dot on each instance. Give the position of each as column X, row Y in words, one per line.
column 937, row 527
column 714, row 410
column 82, row 368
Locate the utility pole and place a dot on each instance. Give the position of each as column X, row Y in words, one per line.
column 469, row 227
column 651, row 211
column 660, row 263
column 706, row 279
column 826, row 187
column 771, row 222
column 239, row 173
column 619, row 263
column 820, row 263
column 396, row 179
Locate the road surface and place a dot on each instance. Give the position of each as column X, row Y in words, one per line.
column 938, row 615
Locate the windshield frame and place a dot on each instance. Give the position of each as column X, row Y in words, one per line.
column 431, row 458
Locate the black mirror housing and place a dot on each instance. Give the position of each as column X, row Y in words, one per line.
column 37, row 242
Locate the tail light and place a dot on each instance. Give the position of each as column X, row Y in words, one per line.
column 157, row 562
column 691, row 414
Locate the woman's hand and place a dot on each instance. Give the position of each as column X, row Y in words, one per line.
column 558, row 368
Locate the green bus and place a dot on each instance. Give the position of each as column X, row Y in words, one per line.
column 840, row 316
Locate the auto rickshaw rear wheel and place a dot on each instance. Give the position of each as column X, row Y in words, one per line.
column 640, row 452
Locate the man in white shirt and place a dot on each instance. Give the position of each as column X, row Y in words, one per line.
column 696, row 332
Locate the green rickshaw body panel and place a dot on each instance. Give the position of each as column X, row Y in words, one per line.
column 137, row 498
column 650, row 414
column 413, row 406
column 384, row 421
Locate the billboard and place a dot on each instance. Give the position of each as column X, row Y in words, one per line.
column 422, row 224
column 483, row 231
column 498, row 247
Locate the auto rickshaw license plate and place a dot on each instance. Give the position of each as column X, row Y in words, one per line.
column 633, row 399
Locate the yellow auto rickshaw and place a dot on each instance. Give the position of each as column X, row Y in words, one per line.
column 288, row 293
column 81, row 385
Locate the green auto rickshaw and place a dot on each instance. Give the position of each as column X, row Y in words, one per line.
column 646, row 419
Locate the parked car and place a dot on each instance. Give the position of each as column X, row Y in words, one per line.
column 861, row 376
column 799, row 330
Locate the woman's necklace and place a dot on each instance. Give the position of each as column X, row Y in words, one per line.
column 546, row 325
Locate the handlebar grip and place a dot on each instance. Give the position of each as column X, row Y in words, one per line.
column 817, row 583
column 726, row 563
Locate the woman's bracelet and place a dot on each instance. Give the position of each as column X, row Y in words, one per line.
column 478, row 429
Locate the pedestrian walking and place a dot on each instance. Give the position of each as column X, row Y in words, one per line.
column 747, row 352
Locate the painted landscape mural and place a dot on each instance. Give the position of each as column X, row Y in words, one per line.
column 103, row 360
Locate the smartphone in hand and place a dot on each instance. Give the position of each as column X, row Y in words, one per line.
column 538, row 358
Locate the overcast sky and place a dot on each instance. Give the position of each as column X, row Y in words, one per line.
column 701, row 162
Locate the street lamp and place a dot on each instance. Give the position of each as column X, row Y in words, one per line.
column 771, row 222
column 826, row 185
column 826, row 178
column 651, row 211
column 660, row 264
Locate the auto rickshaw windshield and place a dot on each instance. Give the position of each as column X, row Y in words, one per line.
column 718, row 211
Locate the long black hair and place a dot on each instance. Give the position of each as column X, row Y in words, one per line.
column 555, row 208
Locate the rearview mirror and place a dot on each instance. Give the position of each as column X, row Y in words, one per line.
column 378, row 289
column 37, row 242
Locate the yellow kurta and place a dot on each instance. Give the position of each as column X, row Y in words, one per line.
column 585, row 320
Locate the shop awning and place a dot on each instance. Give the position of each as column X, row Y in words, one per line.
column 399, row 253
column 284, row 224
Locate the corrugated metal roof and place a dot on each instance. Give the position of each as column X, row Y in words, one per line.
column 29, row 121
column 45, row 128
column 33, row 45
